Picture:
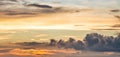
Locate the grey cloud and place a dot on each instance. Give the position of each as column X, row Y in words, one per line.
column 112, row 27
column 107, row 29
column 1, row 3
column 5, row 3
column 5, row 50
column 102, row 43
column 28, row 11
column 116, row 25
column 14, row 0
column 92, row 41
column 20, row 13
column 13, row 55
column 115, row 10
column 40, row 6
column 117, row 16
column 115, row 13
column 26, row 8
column 29, row 43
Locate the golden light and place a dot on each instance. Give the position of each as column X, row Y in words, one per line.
column 30, row 52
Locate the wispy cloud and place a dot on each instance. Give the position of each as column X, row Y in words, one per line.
column 116, row 25
column 117, row 16
column 42, row 14
column 40, row 6
column 28, row 8
column 115, row 10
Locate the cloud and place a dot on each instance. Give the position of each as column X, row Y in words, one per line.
column 17, row 52
column 107, row 29
column 107, row 45
column 5, row 50
column 116, row 25
column 29, row 43
column 14, row 0
column 41, row 35
column 40, row 6
column 2, row 3
column 19, row 13
column 115, row 13
column 115, row 10
column 13, row 55
column 23, row 8
column 37, row 11
column 79, row 25
column 92, row 41
column 98, row 42
column 30, row 52
column 117, row 16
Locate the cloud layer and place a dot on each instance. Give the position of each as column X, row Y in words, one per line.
column 17, row 7
column 92, row 43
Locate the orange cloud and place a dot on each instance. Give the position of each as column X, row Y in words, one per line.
column 29, row 52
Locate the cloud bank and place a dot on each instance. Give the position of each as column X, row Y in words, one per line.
column 89, row 46
column 93, row 42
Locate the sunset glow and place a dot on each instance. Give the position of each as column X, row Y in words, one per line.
column 59, row 28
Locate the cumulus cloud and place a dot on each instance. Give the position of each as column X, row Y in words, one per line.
column 100, row 42
column 93, row 41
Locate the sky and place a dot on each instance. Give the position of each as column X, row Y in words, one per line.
column 26, row 27
column 60, row 14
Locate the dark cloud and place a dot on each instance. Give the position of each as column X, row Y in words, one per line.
column 29, row 43
column 92, row 41
column 40, row 6
column 98, row 42
column 38, row 11
column 117, row 16
column 14, row 55
column 112, row 27
column 115, row 13
column 30, row 11
column 116, row 25
column 115, row 10
column 20, row 13
column 3, row 50
column 24, row 8
column 107, row 29
column 14, row 0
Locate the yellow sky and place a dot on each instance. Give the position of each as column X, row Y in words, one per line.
column 85, row 20
column 37, row 14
